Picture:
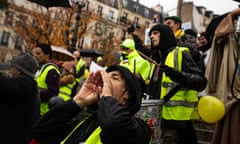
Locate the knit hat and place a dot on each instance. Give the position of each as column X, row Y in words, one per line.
column 133, row 87
column 128, row 43
column 191, row 32
column 26, row 63
column 175, row 18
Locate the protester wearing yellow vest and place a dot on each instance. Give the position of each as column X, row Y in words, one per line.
column 80, row 71
column 47, row 77
column 185, row 38
column 176, row 81
column 135, row 62
column 175, row 23
column 67, row 80
column 102, row 112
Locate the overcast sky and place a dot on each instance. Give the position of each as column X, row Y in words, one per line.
column 217, row 6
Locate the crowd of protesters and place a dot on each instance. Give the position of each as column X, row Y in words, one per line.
column 50, row 103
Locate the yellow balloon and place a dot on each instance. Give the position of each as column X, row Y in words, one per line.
column 211, row 109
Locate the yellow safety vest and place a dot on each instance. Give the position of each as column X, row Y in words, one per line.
column 66, row 91
column 138, row 64
column 94, row 137
column 79, row 65
column 183, row 105
column 86, row 72
column 41, row 81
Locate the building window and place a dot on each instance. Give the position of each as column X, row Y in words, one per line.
column 136, row 7
column 136, row 21
column 5, row 38
column 146, row 12
column 34, row 23
column 22, row 18
column 147, row 24
column 111, row 15
column 204, row 22
column 18, row 43
column 112, row 2
column 87, row 5
column 98, row 29
column 9, row 18
column 124, row 32
column 99, row 12
column 123, row 18
column 125, row 3
column 125, row 14
column 111, row 35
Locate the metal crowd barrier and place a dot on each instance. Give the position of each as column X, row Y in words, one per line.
column 150, row 112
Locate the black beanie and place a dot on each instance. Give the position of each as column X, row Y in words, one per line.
column 191, row 32
column 26, row 63
column 133, row 87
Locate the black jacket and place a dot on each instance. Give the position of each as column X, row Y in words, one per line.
column 19, row 108
column 193, row 77
column 117, row 124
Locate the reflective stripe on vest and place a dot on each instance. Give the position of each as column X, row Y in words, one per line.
column 63, row 142
column 41, row 82
column 183, row 105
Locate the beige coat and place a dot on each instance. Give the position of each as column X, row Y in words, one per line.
column 221, row 81
column 222, row 64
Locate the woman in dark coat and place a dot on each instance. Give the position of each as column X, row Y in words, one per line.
column 19, row 106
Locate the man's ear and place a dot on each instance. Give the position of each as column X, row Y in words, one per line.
column 179, row 25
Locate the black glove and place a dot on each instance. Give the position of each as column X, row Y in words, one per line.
column 173, row 74
column 131, row 29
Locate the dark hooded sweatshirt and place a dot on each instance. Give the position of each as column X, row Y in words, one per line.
column 118, row 124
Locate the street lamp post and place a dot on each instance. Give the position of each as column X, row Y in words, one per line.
column 72, row 47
